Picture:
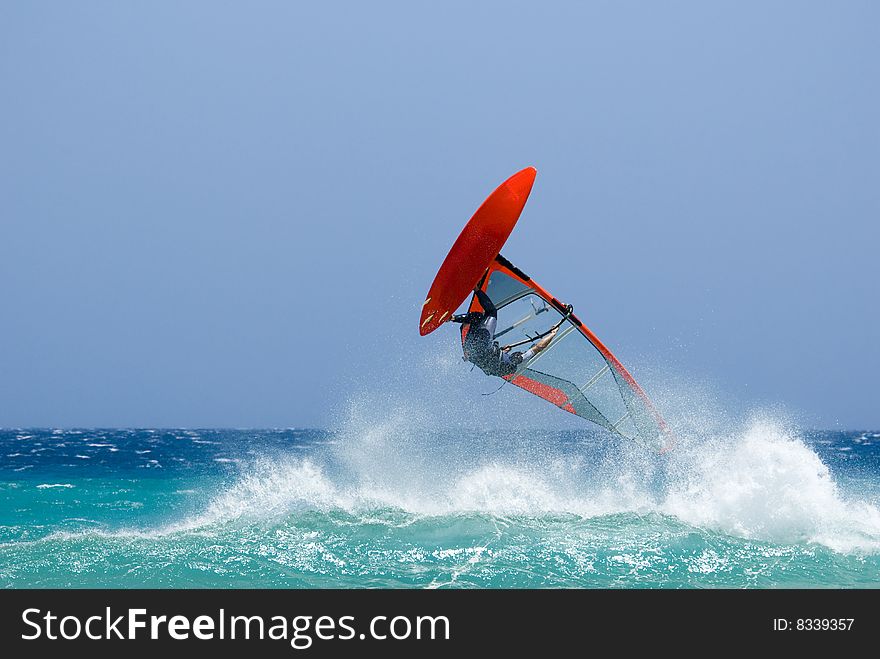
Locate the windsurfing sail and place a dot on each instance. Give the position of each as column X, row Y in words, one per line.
column 575, row 372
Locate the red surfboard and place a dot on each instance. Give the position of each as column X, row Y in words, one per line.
column 475, row 248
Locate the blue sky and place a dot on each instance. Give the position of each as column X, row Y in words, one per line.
column 228, row 214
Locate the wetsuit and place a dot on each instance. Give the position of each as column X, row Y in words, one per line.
column 479, row 345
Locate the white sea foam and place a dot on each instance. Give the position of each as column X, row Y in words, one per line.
column 756, row 480
column 767, row 484
column 762, row 483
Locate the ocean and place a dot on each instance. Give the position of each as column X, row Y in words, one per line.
column 390, row 506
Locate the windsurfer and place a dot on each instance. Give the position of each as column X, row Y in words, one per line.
column 480, row 347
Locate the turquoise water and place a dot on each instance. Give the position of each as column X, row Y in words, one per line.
column 394, row 507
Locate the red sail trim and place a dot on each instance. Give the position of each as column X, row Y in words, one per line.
column 545, row 391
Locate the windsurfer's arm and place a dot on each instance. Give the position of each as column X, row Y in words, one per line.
column 543, row 343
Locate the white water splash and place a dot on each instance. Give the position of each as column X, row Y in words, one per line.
column 765, row 483
column 761, row 483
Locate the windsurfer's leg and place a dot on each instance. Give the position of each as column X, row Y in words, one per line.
column 486, row 303
column 490, row 313
column 490, row 323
